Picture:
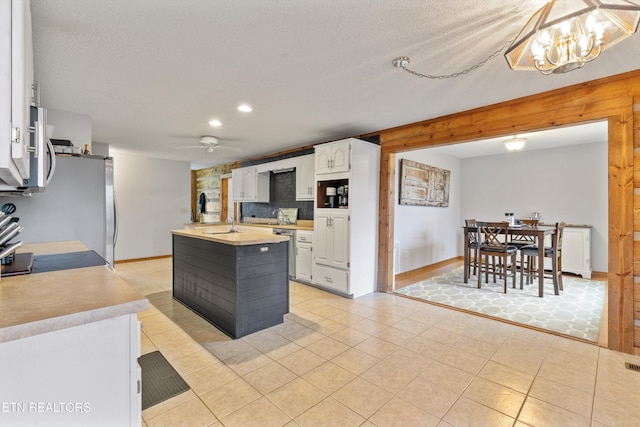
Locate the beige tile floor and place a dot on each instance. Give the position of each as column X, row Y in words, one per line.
column 379, row 360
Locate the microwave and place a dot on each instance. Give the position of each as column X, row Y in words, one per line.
column 42, row 159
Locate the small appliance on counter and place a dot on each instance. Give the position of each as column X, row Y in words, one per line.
column 343, row 196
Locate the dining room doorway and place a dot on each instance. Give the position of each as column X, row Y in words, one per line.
column 561, row 173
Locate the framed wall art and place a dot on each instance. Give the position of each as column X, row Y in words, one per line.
column 423, row 185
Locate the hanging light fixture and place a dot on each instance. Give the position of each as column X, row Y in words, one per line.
column 565, row 34
column 515, row 143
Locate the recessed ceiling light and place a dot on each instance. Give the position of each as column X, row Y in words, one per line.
column 215, row 122
column 245, row 108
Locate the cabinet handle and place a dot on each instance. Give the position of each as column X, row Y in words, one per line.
column 328, row 279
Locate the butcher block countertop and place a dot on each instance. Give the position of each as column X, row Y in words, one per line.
column 262, row 223
column 244, row 237
column 34, row 304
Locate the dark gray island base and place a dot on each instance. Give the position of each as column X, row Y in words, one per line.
column 240, row 289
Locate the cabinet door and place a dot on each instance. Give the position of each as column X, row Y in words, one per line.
column 321, row 238
column 303, row 262
column 304, row 178
column 236, row 177
column 576, row 251
column 340, row 157
column 339, row 225
column 323, row 159
column 249, row 184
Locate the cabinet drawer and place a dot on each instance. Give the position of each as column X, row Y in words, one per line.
column 304, row 236
column 331, row 278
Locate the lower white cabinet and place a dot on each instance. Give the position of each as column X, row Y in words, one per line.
column 304, row 255
column 332, row 278
column 86, row 375
column 576, row 251
column 332, row 238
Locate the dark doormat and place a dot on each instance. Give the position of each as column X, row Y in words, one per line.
column 160, row 381
column 66, row 261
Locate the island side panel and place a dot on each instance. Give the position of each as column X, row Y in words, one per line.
column 204, row 279
column 263, row 286
column 240, row 289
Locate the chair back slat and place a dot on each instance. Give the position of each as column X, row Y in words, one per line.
column 493, row 236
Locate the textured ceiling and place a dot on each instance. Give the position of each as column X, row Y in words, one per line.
column 152, row 73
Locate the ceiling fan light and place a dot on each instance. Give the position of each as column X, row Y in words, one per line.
column 210, row 149
column 515, row 143
column 208, row 139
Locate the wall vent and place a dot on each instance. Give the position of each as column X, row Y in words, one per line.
column 632, row 366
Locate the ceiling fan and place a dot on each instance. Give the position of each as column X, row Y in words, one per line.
column 210, row 144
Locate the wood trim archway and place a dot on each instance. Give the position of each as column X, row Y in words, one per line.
column 612, row 99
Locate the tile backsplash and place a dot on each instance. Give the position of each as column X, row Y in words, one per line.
column 282, row 190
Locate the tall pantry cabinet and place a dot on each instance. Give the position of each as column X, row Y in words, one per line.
column 345, row 236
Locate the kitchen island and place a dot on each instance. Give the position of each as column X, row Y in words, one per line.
column 69, row 343
column 237, row 281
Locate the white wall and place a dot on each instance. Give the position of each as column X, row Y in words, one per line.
column 72, row 126
column 565, row 184
column 428, row 234
column 153, row 199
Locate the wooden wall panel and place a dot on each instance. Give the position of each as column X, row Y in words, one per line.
column 609, row 99
column 386, row 218
column 621, row 239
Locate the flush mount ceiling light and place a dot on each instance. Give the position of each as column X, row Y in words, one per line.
column 515, row 143
column 215, row 123
column 566, row 34
column 245, row 108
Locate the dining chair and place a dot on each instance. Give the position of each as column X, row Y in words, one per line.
column 529, row 255
column 472, row 238
column 493, row 241
column 522, row 240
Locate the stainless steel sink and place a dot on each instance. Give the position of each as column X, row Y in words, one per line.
column 221, row 232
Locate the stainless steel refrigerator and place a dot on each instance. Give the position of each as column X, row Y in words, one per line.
column 78, row 204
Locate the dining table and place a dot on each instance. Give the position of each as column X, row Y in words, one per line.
column 538, row 232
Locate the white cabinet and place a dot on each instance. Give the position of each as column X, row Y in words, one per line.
column 16, row 81
column 304, row 258
column 304, row 177
column 576, row 251
column 332, row 238
column 333, row 157
column 249, row 185
column 345, row 240
column 82, row 375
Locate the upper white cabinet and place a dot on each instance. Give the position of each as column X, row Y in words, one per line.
column 333, row 157
column 16, row 82
column 345, row 238
column 304, row 177
column 249, row 185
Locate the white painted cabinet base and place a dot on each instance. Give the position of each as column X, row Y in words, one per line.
column 576, row 251
column 331, row 278
column 80, row 376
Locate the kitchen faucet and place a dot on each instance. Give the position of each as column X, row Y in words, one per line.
column 233, row 228
column 280, row 216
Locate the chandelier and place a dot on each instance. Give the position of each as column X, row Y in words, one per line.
column 565, row 34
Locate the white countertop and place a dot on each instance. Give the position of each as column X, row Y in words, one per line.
column 34, row 304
